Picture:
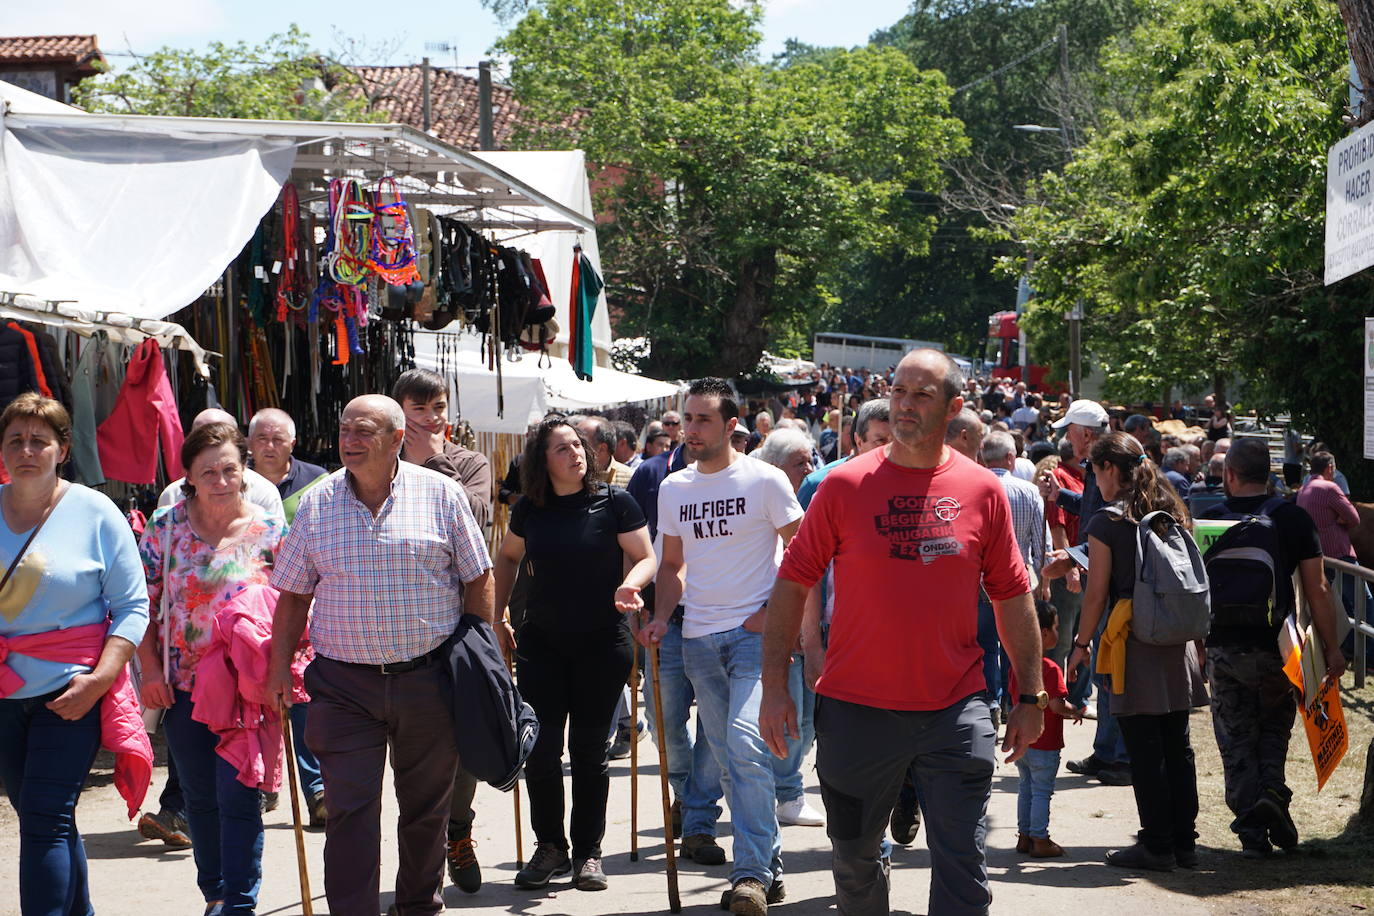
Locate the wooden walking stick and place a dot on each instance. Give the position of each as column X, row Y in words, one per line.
column 634, row 754
column 296, row 809
column 674, row 901
column 519, row 839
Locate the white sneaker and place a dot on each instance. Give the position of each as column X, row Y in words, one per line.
column 799, row 814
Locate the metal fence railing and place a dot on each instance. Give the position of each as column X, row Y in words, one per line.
column 1350, row 591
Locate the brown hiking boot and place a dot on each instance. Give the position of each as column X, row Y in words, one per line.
column 749, row 898
column 1042, row 847
column 702, row 849
column 1023, row 842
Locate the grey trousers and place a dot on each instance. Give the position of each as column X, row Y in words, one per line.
column 356, row 716
column 862, row 753
column 1253, row 705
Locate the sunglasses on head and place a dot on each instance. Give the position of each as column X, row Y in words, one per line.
column 672, row 422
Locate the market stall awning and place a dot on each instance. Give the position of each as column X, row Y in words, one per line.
column 139, row 214
column 529, row 391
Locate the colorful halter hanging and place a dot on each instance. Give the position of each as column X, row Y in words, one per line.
column 286, row 281
column 392, row 253
column 351, row 231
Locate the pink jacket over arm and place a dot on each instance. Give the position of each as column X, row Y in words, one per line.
column 229, row 694
column 121, row 719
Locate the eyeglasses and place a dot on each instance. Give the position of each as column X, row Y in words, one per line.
column 672, row 422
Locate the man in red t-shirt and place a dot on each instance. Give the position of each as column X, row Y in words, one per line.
column 912, row 529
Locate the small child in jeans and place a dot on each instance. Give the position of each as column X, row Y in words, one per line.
column 1040, row 764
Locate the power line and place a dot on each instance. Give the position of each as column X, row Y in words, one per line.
column 1007, row 66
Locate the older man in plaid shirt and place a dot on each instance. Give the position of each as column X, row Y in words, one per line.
column 391, row 556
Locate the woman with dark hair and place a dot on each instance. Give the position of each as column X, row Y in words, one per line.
column 72, row 609
column 588, row 546
column 197, row 556
column 1219, row 423
column 1160, row 684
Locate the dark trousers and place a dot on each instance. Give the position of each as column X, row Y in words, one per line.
column 460, row 813
column 356, row 714
column 862, row 754
column 1164, row 779
column 1253, row 705
column 224, row 815
column 571, row 680
column 44, row 761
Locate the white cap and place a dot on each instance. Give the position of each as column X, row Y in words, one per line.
column 1084, row 412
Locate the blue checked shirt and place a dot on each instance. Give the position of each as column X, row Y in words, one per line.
column 1027, row 519
column 390, row 588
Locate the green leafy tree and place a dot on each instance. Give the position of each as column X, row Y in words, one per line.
column 282, row 78
column 1192, row 221
column 742, row 186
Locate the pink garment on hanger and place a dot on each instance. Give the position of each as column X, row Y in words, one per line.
column 145, row 412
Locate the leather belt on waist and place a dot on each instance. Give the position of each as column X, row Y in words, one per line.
column 397, row 667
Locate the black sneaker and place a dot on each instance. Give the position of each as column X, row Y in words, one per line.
column 1255, row 849
column 1114, row 775
column 702, row 849
column 167, row 826
column 463, row 869
column 1186, row 858
column 1139, row 857
column 1271, row 812
column 588, row 874
column 905, row 824
column 1088, row 766
column 547, row 863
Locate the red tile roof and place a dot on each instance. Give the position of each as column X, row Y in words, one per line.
column 78, row 51
column 453, row 103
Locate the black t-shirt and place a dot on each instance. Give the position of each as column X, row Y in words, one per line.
column 1120, row 536
column 1298, row 541
column 572, row 549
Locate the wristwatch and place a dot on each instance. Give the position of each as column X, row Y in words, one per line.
column 1038, row 700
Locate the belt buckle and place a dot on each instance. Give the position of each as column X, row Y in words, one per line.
column 386, row 667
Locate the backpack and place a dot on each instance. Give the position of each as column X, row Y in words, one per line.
column 493, row 727
column 1243, row 573
column 1171, row 603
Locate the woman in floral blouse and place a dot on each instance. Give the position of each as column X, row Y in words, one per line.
column 202, row 552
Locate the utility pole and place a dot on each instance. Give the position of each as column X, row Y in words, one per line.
column 424, row 90
column 1066, row 102
column 484, row 132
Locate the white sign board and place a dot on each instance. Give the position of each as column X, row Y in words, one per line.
column 1368, row 350
column 1350, row 205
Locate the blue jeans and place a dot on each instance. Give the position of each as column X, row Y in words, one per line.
column 223, row 813
column 726, row 671
column 692, row 769
column 307, row 767
column 1038, row 769
column 787, row 770
column 44, row 760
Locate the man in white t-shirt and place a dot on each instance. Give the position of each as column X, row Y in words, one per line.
column 258, row 490
column 726, row 518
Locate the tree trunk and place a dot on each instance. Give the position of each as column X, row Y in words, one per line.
column 744, row 331
column 1219, row 388
column 1359, row 30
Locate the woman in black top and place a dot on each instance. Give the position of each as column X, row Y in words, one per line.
column 1162, row 683
column 587, row 547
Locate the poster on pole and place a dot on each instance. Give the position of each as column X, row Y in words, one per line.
column 1368, row 351
column 1350, row 205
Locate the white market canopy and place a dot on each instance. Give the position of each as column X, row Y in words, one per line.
column 529, row 391
column 139, row 215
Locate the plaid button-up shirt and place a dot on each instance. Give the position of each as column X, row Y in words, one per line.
column 390, row 588
column 1027, row 519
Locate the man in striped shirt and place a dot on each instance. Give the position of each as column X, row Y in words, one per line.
column 1335, row 517
column 391, row 556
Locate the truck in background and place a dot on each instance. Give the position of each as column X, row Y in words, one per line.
column 862, row 351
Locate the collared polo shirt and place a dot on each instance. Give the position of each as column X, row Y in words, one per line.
column 390, row 588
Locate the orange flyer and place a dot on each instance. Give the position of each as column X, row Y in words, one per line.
column 1326, row 731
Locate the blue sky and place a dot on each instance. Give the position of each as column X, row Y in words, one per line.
column 396, row 31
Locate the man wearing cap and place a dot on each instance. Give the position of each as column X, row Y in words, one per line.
column 1084, row 423
column 739, row 438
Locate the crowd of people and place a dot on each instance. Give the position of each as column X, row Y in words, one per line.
column 907, row 569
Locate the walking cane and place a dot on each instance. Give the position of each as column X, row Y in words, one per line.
column 634, row 754
column 295, row 809
column 674, row 901
column 519, row 839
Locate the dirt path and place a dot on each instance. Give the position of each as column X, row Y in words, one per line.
column 133, row 877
